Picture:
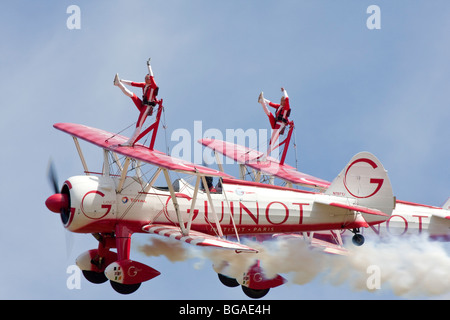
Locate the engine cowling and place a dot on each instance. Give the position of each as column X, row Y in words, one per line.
column 91, row 205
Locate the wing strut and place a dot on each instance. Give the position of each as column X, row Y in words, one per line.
column 194, row 199
column 123, row 175
column 155, row 176
column 175, row 203
column 216, row 219
column 80, row 153
column 219, row 163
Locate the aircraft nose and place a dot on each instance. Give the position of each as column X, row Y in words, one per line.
column 57, row 202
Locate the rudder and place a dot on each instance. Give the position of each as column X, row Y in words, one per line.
column 365, row 180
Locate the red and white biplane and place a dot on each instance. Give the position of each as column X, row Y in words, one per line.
column 406, row 219
column 123, row 200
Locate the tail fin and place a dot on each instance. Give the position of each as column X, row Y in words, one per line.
column 446, row 205
column 365, row 180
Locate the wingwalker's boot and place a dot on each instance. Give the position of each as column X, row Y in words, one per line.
column 263, row 102
column 119, row 84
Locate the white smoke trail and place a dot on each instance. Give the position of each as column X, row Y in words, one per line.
column 410, row 267
column 172, row 250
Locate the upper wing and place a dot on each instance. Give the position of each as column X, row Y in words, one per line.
column 269, row 166
column 112, row 142
column 196, row 238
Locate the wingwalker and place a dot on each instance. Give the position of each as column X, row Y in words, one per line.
column 122, row 200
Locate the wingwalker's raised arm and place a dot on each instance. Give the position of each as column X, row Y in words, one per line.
column 150, row 72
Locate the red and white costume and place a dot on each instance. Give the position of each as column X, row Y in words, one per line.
column 281, row 118
column 145, row 106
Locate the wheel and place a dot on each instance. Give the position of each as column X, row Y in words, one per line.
column 358, row 239
column 227, row 281
column 95, row 277
column 255, row 293
column 124, row 288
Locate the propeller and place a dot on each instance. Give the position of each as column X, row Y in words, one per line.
column 58, row 201
column 51, row 173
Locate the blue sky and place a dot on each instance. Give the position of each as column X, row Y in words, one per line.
column 351, row 89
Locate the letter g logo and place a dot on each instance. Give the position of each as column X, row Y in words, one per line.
column 355, row 187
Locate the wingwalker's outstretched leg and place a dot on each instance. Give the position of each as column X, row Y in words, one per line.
column 264, row 102
column 119, row 84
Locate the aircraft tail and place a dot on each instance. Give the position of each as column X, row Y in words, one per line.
column 365, row 180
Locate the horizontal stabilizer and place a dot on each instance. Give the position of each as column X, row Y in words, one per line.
column 443, row 214
column 196, row 238
column 354, row 208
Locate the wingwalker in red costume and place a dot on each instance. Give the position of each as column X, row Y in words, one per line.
column 281, row 118
column 145, row 106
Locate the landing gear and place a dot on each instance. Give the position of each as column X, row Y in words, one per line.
column 357, row 239
column 251, row 293
column 227, row 281
column 124, row 288
column 95, row 277
column 100, row 277
column 100, row 265
column 255, row 293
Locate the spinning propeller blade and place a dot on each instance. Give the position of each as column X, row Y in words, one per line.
column 51, row 174
column 58, row 201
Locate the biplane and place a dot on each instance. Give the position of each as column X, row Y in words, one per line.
column 407, row 218
column 124, row 199
column 114, row 204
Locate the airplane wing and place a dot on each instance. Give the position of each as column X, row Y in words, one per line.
column 326, row 242
column 112, row 142
column 328, row 247
column 270, row 166
column 196, row 238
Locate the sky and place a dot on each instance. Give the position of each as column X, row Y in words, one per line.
column 351, row 89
